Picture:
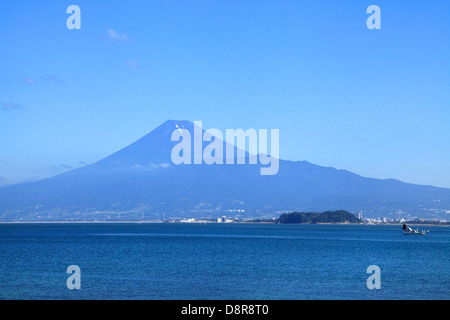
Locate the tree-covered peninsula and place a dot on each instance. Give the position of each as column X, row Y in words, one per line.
column 338, row 216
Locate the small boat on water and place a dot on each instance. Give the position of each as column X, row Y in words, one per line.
column 409, row 231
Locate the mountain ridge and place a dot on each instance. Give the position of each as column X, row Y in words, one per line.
column 140, row 181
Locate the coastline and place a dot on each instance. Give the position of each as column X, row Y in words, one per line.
column 446, row 224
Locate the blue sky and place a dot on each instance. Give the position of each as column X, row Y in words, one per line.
column 374, row 102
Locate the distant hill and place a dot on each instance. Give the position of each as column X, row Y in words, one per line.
column 140, row 182
column 338, row 216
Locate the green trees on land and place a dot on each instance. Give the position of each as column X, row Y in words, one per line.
column 338, row 216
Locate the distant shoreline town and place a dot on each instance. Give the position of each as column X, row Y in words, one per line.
column 327, row 217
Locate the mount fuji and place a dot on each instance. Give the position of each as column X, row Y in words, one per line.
column 141, row 182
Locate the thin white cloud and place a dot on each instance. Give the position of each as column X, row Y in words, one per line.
column 33, row 178
column 40, row 79
column 51, row 78
column 9, row 105
column 65, row 166
column 30, row 80
column 112, row 34
column 133, row 64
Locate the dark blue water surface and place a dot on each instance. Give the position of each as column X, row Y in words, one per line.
column 221, row 261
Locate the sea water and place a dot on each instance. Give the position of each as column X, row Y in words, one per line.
column 221, row 261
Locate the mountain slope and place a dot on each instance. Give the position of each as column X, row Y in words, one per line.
column 141, row 181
